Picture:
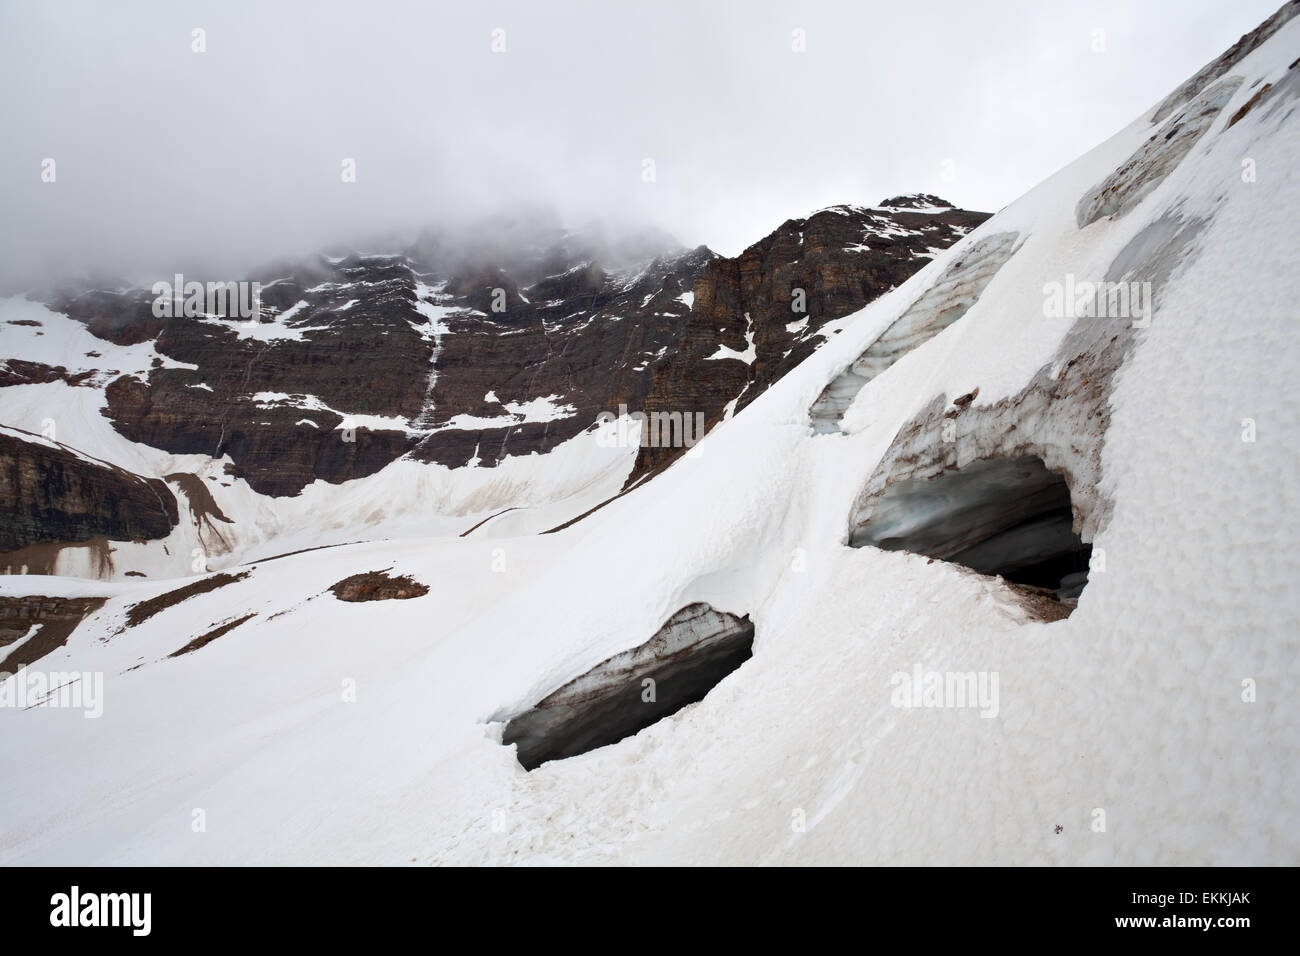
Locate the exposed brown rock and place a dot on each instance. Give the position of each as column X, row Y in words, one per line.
column 841, row 258
column 19, row 372
column 588, row 337
column 50, row 493
column 204, row 639
column 378, row 586
column 45, row 558
column 589, row 323
column 203, row 510
column 139, row 613
column 57, row 618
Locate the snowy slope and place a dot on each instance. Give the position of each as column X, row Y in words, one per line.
column 1132, row 706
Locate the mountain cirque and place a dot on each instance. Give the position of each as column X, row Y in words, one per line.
column 465, row 353
column 1074, row 509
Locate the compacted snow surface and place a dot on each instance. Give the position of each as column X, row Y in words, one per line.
column 1155, row 724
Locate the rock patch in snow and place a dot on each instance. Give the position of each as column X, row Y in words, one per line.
column 139, row 613
column 378, row 586
column 53, row 618
column 205, row 639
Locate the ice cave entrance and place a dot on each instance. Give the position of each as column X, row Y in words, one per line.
column 1004, row 516
column 694, row 649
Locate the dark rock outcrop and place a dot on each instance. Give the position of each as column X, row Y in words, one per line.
column 586, row 338
column 51, row 493
column 55, row 619
column 123, row 318
column 467, row 348
column 422, row 357
column 278, row 407
column 203, row 640
column 378, row 586
column 775, row 297
column 19, row 372
column 140, row 612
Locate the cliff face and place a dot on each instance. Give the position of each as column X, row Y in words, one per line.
column 339, row 341
column 356, row 362
column 765, row 308
column 572, row 346
column 49, row 493
column 463, row 351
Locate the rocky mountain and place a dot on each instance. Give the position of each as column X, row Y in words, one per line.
column 757, row 316
column 463, row 354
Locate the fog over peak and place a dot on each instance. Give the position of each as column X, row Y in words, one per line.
column 649, row 122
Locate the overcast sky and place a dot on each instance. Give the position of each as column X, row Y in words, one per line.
column 166, row 157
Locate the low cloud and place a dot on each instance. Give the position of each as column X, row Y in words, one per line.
column 706, row 121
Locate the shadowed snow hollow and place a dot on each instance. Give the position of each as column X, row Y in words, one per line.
column 695, row 649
